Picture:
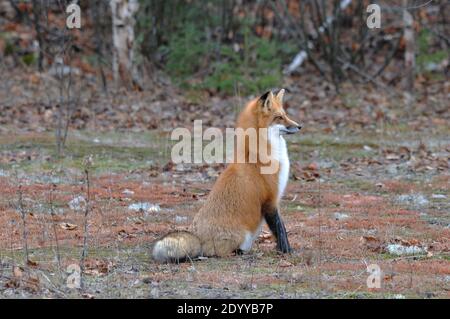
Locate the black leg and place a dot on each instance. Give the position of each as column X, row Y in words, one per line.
column 277, row 227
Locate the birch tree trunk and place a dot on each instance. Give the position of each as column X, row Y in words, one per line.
column 123, row 21
column 410, row 49
column 37, row 10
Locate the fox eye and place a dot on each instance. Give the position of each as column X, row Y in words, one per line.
column 278, row 117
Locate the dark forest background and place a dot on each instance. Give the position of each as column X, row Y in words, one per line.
column 229, row 46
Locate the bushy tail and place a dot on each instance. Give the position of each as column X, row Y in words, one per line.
column 176, row 247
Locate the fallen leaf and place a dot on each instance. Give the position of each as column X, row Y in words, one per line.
column 265, row 235
column 371, row 243
column 312, row 167
column 17, row 272
column 12, row 283
column 68, row 226
column 31, row 263
column 122, row 234
column 392, row 157
column 285, row 263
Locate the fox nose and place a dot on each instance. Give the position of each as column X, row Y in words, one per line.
column 297, row 126
column 293, row 128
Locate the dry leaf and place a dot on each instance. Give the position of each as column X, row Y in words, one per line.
column 17, row 272
column 312, row 167
column 285, row 263
column 371, row 243
column 265, row 235
column 13, row 283
column 68, row 226
column 31, row 263
column 392, row 157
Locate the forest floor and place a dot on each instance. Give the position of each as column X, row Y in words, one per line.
column 369, row 185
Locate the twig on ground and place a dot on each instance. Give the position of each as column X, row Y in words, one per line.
column 52, row 213
column 87, row 165
column 23, row 215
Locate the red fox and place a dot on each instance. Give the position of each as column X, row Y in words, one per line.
column 242, row 197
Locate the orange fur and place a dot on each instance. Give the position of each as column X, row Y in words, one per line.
column 234, row 207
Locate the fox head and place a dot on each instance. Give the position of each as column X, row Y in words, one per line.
column 263, row 120
column 271, row 114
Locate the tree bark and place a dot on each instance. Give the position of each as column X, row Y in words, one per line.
column 410, row 49
column 123, row 21
column 37, row 9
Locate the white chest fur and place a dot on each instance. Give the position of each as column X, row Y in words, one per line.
column 279, row 153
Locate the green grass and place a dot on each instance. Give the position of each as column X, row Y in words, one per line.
column 334, row 147
column 357, row 184
column 113, row 155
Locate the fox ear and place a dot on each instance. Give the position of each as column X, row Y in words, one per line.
column 266, row 101
column 264, row 97
column 280, row 95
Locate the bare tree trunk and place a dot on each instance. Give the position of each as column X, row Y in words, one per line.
column 37, row 9
column 410, row 48
column 123, row 21
column 96, row 15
